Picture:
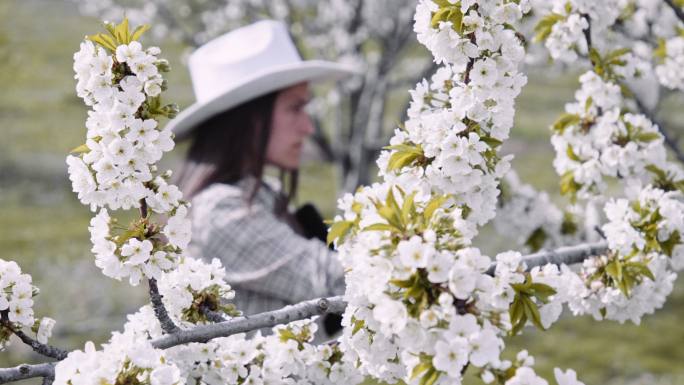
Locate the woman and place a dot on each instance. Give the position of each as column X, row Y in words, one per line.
column 252, row 88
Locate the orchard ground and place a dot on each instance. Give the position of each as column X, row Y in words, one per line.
column 44, row 228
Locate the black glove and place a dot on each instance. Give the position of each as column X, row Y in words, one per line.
column 311, row 222
column 312, row 225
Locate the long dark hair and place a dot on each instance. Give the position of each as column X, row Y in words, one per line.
column 230, row 146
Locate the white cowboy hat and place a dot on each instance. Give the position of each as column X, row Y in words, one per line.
column 244, row 64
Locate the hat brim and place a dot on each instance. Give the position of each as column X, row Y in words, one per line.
column 257, row 85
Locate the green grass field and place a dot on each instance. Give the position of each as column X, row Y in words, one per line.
column 44, row 228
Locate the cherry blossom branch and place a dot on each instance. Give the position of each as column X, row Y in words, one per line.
column 159, row 310
column 677, row 10
column 568, row 255
column 302, row 310
column 336, row 305
column 24, row 371
column 333, row 305
column 40, row 348
column 669, row 140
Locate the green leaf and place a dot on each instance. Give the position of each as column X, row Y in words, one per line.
column 402, row 283
column 420, row 368
column 516, row 311
column 614, row 270
column 439, row 16
column 568, row 186
column 648, row 136
column 571, row 154
column 407, row 207
column 491, row 142
column 380, row 227
column 661, row 51
column 80, row 149
column 536, row 240
column 544, row 27
column 569, row 226
column 612, row 55
column 103, row 40
column 430, row 377
column 399, row 160
column 532, row 312
column 456, row 17
column 339, row 230
column 564, row 121
column 286, row 334
column 669, row 245
column 657, row 171
column 542, row 291
column 358, row 325
column 433, row 205
column 139, row 31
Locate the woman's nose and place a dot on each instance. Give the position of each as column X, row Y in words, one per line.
column 308, row 127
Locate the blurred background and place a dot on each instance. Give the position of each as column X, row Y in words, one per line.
column 44, row 228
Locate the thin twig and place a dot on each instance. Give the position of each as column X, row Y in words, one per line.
column 38, row 347
column 211, row 315
column 562, row 256
column 159, row 310
column 669, row 140
column 677, row 10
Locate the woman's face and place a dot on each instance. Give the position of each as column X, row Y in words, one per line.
column 291, row 125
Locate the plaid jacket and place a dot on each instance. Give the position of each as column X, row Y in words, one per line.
column 267, row 263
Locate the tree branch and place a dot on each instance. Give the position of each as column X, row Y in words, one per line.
column 40, row 348
column 302, row 310
column 24, row 371
column 159, row 310
column 669, row 140
column 565, row 255
column 677, row 10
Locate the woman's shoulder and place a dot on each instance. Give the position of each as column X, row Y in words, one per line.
column 222, row 196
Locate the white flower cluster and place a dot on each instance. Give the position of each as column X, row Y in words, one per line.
column 123, row 140
column 121, row 361
column 126, row 255
column 644, row 235
column 529, row 218
column 16, row 294
column 669, row 72
column 595, row 139
column 116, row 167
column 195, row 287
column 421, row 306
column 287, row 356
column 565, row 24
column 16, row 304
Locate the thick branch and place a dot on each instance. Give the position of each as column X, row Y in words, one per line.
column 24, row 371
column 159, row 310
column 302, row 310
column 677, row 10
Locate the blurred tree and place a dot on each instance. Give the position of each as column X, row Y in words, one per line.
column 375, row 35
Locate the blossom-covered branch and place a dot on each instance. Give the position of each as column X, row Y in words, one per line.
column 300, row 311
